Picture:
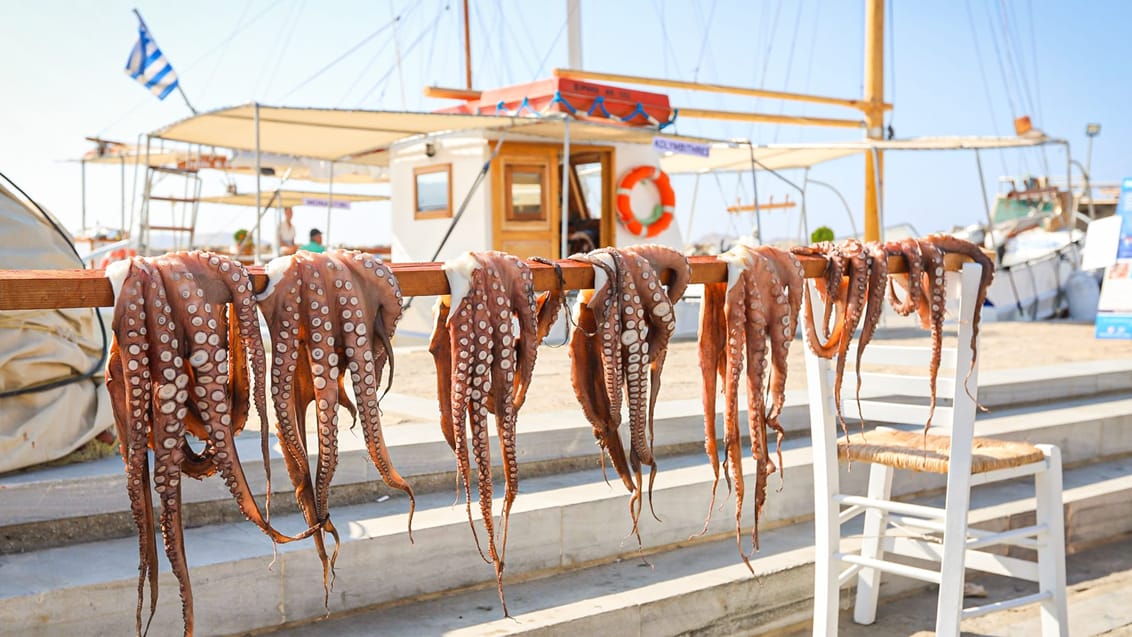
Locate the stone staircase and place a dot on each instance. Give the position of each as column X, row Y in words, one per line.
column 68, row 555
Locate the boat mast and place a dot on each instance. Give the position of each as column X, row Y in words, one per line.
column 574, row 33
column 874, row 114
column 467, row 49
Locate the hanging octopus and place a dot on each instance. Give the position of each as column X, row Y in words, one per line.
column 484, row 346
column 328, row 315
column 759, row 302
column 926, row 293
column 184, row 328
column 619, row 343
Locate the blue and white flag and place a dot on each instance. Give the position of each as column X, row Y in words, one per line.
column 148, row 65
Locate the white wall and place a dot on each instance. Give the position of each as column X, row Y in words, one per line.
column 627, row 157
column 417, row 239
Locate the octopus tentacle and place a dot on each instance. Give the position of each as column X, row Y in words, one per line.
column 786, row 279
column 711, row 359
column 877, row 261
column 363, row 357
column 931, row 313
column 756, row 352
column 595, row 371
column 130, row 387
column 909, row 248
column 948, row 243
column 735, row 316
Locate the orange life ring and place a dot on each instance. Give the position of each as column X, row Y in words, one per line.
column 661, row 216
column 117, row 255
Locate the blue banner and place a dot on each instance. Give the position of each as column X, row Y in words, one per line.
column 1114, row 309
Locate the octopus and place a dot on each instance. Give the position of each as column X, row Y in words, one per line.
column 617, row 351
column 484, row 345
column 854, row 288
column 854, row 292
column 758, row 303
column 330, row 315
column 185, row 327
column 926, row 293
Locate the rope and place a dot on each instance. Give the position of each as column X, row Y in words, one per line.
column 790, row 64
column 348, row 52
column 408, row 49
column 704, row 44
column 986, row 83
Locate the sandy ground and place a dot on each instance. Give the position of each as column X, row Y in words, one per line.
column 1002, row 346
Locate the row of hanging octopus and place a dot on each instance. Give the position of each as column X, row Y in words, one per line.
column 188, row 362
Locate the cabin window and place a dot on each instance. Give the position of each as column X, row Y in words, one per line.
column 432, row 191
column 525, row 188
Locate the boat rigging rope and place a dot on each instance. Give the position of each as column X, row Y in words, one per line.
column 790, row 63
column 383, row 28
column 986, row 83
column 412, row 45
column 281, row 44
column 97, row 367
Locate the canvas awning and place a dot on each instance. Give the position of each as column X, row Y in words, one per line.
column 736, row 156
column 289, row 198
column 364, row 137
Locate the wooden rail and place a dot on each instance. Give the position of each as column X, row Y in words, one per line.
column 59, row 289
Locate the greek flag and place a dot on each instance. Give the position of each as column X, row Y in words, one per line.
column 147, row 64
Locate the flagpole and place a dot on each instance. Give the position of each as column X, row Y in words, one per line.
column 179, row 89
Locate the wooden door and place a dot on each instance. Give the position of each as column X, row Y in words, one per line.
column 527, row 200
column 527, row 219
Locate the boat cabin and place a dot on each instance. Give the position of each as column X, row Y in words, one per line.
column 506, row 189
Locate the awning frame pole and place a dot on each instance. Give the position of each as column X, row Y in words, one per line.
column 986, row 201
column 329, row 205
column 82, row 179
column 258, row 193
column 565, row 187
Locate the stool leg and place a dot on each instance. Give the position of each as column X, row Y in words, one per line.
column 872, row 545
column 1051, row 557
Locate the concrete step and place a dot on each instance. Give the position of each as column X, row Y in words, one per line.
column 703, row 589
column 560, row 522
column 87, row 502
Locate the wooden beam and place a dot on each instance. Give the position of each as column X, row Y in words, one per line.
column 452, row 93
column 798, row 120
column 60, row 289
column 577, row 74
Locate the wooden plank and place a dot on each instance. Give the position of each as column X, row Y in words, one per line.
column 797, row 120
column 59, row 289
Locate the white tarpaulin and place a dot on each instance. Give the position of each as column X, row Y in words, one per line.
column 41, row 346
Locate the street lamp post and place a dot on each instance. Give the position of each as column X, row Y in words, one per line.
column 1091, row 131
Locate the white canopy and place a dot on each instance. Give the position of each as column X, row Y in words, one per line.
column 364, row 137
column 736, row 156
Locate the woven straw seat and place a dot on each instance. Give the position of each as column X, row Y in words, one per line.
column 916, row 452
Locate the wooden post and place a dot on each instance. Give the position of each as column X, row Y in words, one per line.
column 874, row 114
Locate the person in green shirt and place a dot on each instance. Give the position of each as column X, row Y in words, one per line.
column 315, row 244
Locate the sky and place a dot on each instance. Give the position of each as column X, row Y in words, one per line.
column 965, row 67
